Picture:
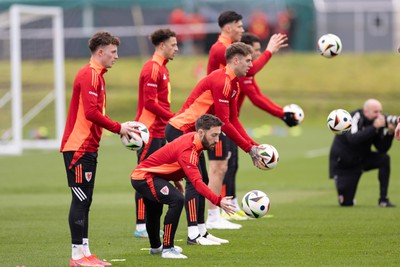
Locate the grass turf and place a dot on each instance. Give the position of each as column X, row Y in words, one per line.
column 307, row 228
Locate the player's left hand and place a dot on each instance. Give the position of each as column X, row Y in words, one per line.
column 277, row 42
column 227, row 206
column 289, row 119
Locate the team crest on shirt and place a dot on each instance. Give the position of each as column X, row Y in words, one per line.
column 165, row 190
column 88, row 176
column 164, row 77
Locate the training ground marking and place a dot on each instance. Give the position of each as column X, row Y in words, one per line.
column 317, row 152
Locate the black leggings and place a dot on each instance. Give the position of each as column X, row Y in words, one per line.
column 79, row 213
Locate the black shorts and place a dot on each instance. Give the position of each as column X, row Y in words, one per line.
column 154, row 145
column 83, row 172
column 171, row 133
column 222, row 148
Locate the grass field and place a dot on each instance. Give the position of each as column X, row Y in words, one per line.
column 305, row 228
column 317, row 84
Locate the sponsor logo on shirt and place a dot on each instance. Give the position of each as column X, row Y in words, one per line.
column 93, row 93
column 88, row 176
column 223, row 101
column 165, row 190
column 152, row 85
column 248, row 81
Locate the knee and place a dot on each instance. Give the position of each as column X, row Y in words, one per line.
column 385, row 159
column 86, row 204
column 81, row 204
column 180, row 201
column 219, row 168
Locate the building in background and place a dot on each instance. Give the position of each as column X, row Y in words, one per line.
column 363, row 26
column 134, row 20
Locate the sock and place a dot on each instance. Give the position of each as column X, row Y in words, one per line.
column 86, row 250
column 193, row 231
column 202, row 229
column 213, row 215
column 140, row 227
column 77, row 252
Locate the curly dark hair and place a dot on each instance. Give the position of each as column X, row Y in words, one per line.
column 102, row 39
column 161, row 35
column 207, row 121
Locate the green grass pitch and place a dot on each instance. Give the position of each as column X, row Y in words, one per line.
column 305, row 226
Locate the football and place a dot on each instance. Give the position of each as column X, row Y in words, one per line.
column 255, row 204
column 272, row 156
column 297, row 110
column 329, row 45
column 339, row 121
column 135, row 140
column 143, row 131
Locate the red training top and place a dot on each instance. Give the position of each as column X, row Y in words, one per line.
column 215, row 94
column 216, row 56
column 173, row 162
column 250, row 88
column 154, row 103
column 86, row 116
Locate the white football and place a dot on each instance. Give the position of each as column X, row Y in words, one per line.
column 297, row 110
column 143, row 131
column 135, row 140
column 255, row 204
column 132, row 141
column 271, row 154
column 329, row 45
column 339, row 121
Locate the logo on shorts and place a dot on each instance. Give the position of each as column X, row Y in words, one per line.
column 165, row 190
column 88, row 176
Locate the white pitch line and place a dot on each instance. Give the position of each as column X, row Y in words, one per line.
column 118, row 260
column 317, row 152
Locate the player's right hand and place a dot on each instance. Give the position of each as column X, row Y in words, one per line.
column 276, row 42
column 255, row 156
column 127, row 127
column 289, row 119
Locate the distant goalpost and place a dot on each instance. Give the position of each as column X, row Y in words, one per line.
column 12, row 140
